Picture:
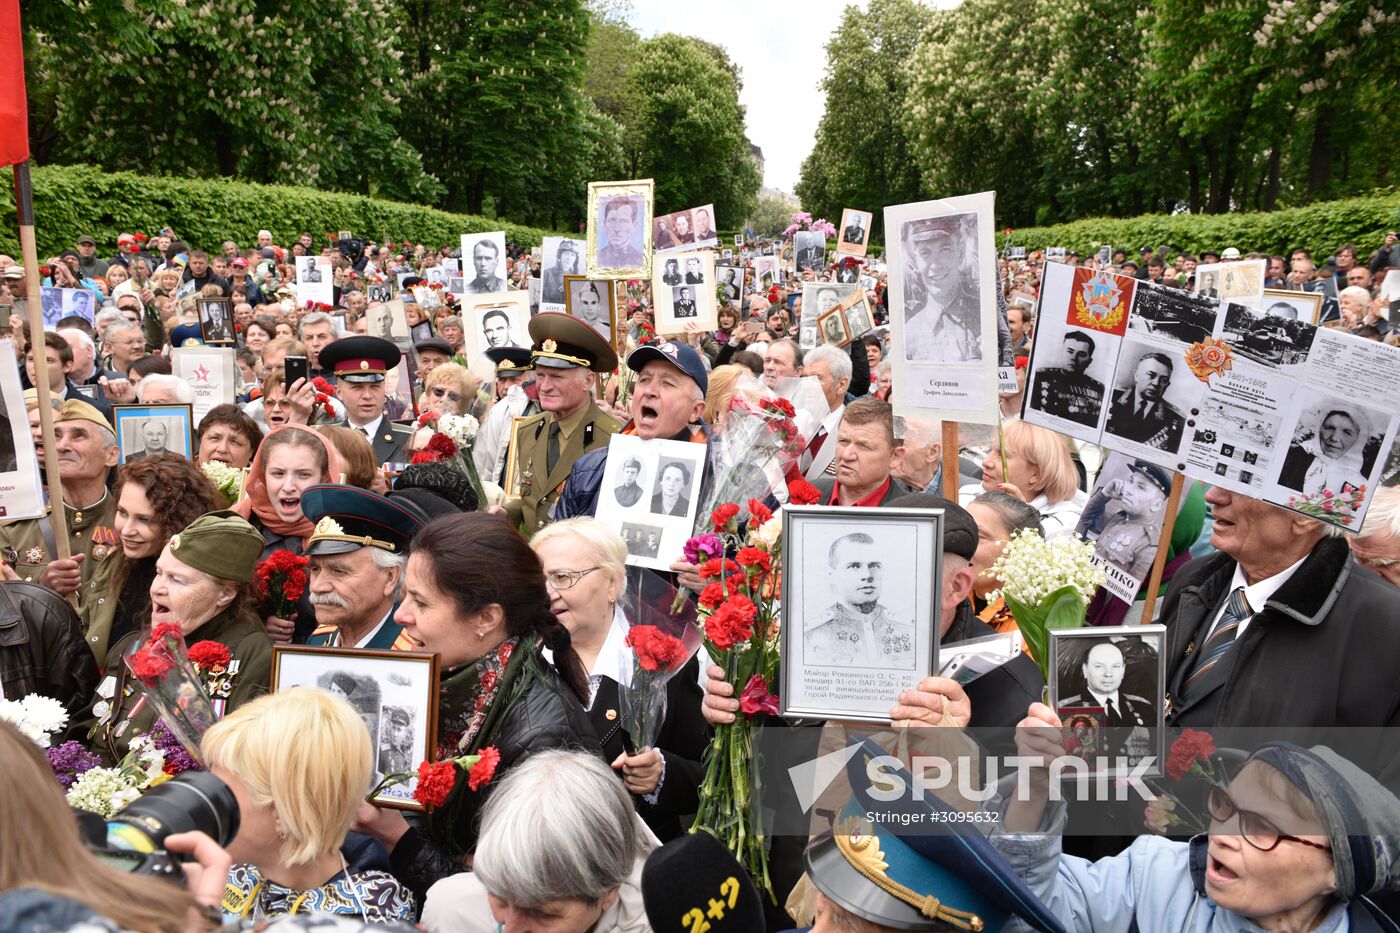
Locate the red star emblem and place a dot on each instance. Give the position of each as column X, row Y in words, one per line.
column 201, row 374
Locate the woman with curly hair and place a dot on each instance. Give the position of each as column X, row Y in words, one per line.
column 156, row 497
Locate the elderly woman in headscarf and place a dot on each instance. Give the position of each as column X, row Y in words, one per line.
column 1333, row 458
column 1297, row 842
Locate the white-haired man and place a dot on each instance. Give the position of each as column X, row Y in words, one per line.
column 1378, row 544
column 160, row 389
column 832, row 368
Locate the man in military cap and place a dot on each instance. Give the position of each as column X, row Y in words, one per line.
column 359, row 365
column 567, row 355
column 1140, row 411
column 1124, row 518
column 515, row 398
column 358, row 551
column 396, row 741
column 857, row 630
column 942, row 313
column 86, row 449
column 1068, row 391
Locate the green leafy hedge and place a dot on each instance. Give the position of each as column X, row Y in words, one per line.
column 72, row 200
column 1319, row 228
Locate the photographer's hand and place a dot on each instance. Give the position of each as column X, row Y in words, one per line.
column 206, row 876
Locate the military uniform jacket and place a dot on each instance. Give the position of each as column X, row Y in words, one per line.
column 390, row 442
column 1132, row 711
column 390, row 637
column 90, row 533
column 1126, row 542
column 1159, row 427
column 118, row 715
column 1073, row 396
column 843, row 636
column 585, row 430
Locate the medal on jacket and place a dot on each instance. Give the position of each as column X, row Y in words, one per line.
column 527, row 478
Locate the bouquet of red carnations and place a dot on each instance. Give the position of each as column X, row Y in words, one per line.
column 661, row 640
column 175, row 680
column 434, row 781
column 279, row 582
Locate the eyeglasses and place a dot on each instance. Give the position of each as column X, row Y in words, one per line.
column 439, row 392
column 565, row 579
column 1255, row 829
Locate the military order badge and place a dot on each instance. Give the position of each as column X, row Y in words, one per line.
column 1101, row 301
column 859, row 607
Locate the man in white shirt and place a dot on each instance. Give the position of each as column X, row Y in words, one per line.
column 516, row 375
column 358, row 551
column 832, row 368
column 360, row 365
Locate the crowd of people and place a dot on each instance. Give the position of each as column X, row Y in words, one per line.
column 496, row 562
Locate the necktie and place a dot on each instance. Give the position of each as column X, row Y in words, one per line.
column 814, row 445
column 1142, row 409
column 1112, row 711
column 1221, row 640
column 365, row 432
column 552, row 456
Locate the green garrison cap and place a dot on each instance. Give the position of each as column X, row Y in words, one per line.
column 222, row 544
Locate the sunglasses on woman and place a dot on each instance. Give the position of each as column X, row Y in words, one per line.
column 1256, row 830
column 439, row 392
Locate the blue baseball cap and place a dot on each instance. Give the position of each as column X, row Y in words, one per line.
column 679, row 355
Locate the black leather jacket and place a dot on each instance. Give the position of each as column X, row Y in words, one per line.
column 42, row 648
column 546, row 716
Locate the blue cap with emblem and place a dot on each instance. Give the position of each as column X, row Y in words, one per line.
column 679, row 355
column 346, row 518
column 899, row 864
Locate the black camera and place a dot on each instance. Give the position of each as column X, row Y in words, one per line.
column 134, row 838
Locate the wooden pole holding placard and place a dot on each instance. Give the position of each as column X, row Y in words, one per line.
column 1154, row 582
column 24, row 208
column 950, row 460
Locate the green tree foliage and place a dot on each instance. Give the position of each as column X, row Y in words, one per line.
column 687, row 131
column 261, row 90
column 772, row 214
column 861, row 156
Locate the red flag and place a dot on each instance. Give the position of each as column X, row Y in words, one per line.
column 14, row 104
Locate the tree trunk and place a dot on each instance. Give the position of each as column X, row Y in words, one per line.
column 1320, row 158
column 1193, row 176
column 1275, row 183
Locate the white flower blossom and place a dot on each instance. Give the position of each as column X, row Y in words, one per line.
column 462, row 429
column 1032, row 568
column 103, row 791
column 36, row 716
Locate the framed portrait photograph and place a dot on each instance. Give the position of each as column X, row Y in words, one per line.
column 1107, row 685
column 856, row 310
column 591, row 301
column 215, row 321
column 683, row 291
column 388, row 321
column 809, row 251
column 854, row 232
column 651, row 490
column 860, row 608
column 563, row 257
column 484, row 262
column 59, row 303
column 831, row 327
column 619, row 229
column 146, row 430
column 395, row 693
column 731, row 280
column 1305, row 306
column 499, row 320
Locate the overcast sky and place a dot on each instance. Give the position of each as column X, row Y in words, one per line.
column 780, row 48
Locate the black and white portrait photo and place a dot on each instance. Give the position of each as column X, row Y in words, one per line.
column 619, row 228
column 591, row 301
column 669, row 496
column 59, row 303
column 8, row 459
column 308, row 271
column 731, row 280
column 146, row 430
column 832, row 326
column 1172, row 313
column 1151, row 395
column 388, row 321
column 859, row 320
column 1124, row 519
column 394, row 692
column 215, row 321
column 684, row 292
column 1277, row 337
column 1068, row 384
column 818, row 300
column 1117, row 676
column 848, row 273
column 379, row 292
column 629, row 492
column 501, row 322
column 705, row 232
column 941, row 290
column 563, row 257
column 809, row 250
column 855, row 232
column 1334, row 447
column 642, row 540
column 484, row 263
column 859, row 601
column 766, row 272
column 1241, row 282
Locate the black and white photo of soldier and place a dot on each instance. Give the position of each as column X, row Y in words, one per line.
column 361, row 692
column 1067, row 390
column 683, row 302
column 941, row 289
column 705, row 232
column 310, row 272
column 587, row 304
column 857, row 628
column 629, row 492
column 1172, row 313
column 1206, row 285
column 693, row 273
column 642, row 540
column 1124, row 517
column 397, row 754
column 672, row 273
column 217, row 327
column 858, row 321
column 832, row 331
column 619, row 217
column 1120, row 675
column 1140, row 411
column 855, row 230
column 1274, row 337
column 1334, row 448
column 848, row 273
column 731, row 279
column 567, row 260
column 486, row 260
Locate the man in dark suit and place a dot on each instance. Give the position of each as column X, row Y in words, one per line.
column 1140, row 412
column 855, row 230
column 1103, row 670
column 866, row 453
column 693, row 275
column 360, row 365
column 629, row 493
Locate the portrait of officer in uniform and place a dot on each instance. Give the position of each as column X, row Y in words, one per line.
column 1068, row 391
column 942, row 308
column 857, row 629
column 1124, row 518
column 1100, row 680
column 1140, row 411
column 620, row 217
column 629, row 493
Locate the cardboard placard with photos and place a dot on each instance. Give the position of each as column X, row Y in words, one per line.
column 499, row 320
column 683, row 291
column 59, row 303
column 20, row 481
column 685, row 230
column 592, row 302
column 650, row 493
column 619, row 229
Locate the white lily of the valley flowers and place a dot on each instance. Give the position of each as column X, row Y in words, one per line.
column 1032, row 568
column 461, row 428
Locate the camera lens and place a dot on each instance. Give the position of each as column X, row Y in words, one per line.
column 195, row 800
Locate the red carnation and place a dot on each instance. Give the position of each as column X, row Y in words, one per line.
column 208, row 655
column 148, row 667
column 427, row 418
column 423, row 456
column 752, row 557
column 1191, row 746
column 760, row 512
column 435, row 782
column 443, row 446
column 322, row 386
column 801, row 492
column 712, row 595
column 166, row 630
column 484, row 770
column 279, row 582
column 722, row 516
column 655, row 650
column 716, row 566
column 755, row 698
column 139, row 237
column 732, row 623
